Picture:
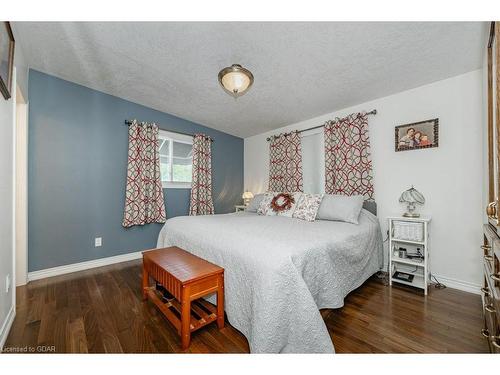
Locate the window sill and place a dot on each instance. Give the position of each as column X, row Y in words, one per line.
column 176, row 185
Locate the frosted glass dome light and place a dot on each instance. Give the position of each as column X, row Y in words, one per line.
column 235, row 80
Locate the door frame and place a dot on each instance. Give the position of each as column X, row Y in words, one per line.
column 21, row 191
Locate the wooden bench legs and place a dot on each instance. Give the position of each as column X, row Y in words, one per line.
column 145, row 282
column 185, row 318
column 186, row 311
column 220, row 302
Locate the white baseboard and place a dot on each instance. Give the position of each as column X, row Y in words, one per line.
column 75, row 267
column 4, row 331
column 458, row 284
column 464, row 286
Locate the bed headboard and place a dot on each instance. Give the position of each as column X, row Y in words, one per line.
column 370, row 206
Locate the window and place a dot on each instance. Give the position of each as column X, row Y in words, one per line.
column 313, row 162
column 176, row 159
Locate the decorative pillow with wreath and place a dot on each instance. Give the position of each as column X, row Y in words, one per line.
column 308, row 207
column 279, row 204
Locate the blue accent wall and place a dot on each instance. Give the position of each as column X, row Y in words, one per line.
column 77, row 163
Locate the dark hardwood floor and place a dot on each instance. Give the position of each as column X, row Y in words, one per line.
column 101, row 311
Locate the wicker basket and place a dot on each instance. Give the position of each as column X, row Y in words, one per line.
column 408, row 231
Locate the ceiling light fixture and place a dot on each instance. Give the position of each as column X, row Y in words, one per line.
column 235, row 80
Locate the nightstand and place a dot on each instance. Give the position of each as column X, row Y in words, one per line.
column 239, row 208
column 409, row 250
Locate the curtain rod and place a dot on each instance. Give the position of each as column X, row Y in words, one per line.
column 372, row 112
column 129, row 122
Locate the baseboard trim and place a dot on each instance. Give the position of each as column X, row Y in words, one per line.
column 4, row 332
column 75, row 267
column 464, row 286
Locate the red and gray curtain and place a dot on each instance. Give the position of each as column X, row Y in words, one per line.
column 285, row 163
column 144, row 202
column 201, row 185
column 348, row 165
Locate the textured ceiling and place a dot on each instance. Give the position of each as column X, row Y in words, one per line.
column 301, row 70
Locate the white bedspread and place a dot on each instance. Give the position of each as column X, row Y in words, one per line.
column 280, row 271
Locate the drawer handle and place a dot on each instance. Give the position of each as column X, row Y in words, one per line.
column 489, row 308
column 486, row 247
column 495, row 277
column 485, row 333
column 488, row 258
column 491, row 210
column 486, row 291
column 493, row 340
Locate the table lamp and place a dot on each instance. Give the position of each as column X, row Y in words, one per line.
column 411, row 197
column 247, row 195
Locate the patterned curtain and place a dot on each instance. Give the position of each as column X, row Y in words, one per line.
column 285, row 163
column 144, row 201
column 201, row 186
column 348, row 165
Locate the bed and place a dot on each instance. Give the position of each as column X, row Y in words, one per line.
column 280, row 271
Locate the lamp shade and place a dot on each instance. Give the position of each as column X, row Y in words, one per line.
column 412, row 195
column 247, row 195
column 235, row 80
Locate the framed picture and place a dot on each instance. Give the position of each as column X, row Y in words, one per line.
column 6, row 59
column 423, row 134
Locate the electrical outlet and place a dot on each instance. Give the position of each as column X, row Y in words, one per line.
column 98, row 242
column 7, row 283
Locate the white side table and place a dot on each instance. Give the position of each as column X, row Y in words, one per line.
column 411, row 234
column 239, row 208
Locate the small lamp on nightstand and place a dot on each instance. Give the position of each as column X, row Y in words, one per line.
column 247, row 195
column 411, row 197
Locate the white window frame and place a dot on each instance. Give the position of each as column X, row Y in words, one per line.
column 180, row 138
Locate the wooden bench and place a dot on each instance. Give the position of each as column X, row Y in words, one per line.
column 187, row 278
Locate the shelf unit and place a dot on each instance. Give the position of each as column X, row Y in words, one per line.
column 417, row 282
column 407, row 261
column 240, row 208
column 422, row 271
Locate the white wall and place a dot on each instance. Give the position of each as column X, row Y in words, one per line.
column 450, row 176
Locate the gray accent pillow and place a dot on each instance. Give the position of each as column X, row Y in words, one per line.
column 340, row 208
column 255, row 202
column 370, row 206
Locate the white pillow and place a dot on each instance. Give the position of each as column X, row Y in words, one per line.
column 265, row 203
column 265, row 207
column 340, row 208
column 254, row 204
column 291, row 210
column 307, row 208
